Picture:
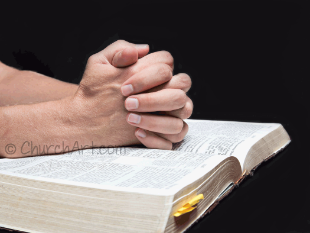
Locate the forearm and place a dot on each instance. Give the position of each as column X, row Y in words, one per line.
column 26, row 87
column 36, row 129
column 93, row 114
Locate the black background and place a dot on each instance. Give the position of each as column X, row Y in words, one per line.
column 248, row 61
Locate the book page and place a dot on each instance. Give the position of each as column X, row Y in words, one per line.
column 151, row 171
column 226, row 138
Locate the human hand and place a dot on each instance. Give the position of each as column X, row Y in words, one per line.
column 152, row 75
column 159, row 130
column 95, row 115
column 155, row 131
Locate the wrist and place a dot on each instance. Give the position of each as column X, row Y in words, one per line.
column 46, row 88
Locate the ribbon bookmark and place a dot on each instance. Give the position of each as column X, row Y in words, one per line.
column 189, row 206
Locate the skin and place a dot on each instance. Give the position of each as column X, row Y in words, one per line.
column 47, row 116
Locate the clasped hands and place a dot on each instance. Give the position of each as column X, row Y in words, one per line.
column 124, row 83
column 126, row 97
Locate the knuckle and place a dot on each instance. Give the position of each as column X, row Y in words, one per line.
column 180, row 136
column 164, row 71
column 185, row 81
column 92, row 59
column 178, row 125
column 186, row 111
column 120, row 42
column 168, row 57
column 177, row 138
column 180, row 98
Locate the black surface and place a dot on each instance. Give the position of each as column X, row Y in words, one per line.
column 249, row 61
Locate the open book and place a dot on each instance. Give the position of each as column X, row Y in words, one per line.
column 134, row 189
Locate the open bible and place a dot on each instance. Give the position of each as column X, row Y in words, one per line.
column 132, row 189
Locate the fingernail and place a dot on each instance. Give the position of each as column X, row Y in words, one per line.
column 127, row 89
column 134, row 118
column 141, row 133
column 132, row 103
column 141, row 46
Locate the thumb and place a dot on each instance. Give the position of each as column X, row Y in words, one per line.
column 122, row 53
column 125, row 57
column 129, row 55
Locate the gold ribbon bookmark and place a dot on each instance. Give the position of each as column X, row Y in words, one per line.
column 189, row 206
